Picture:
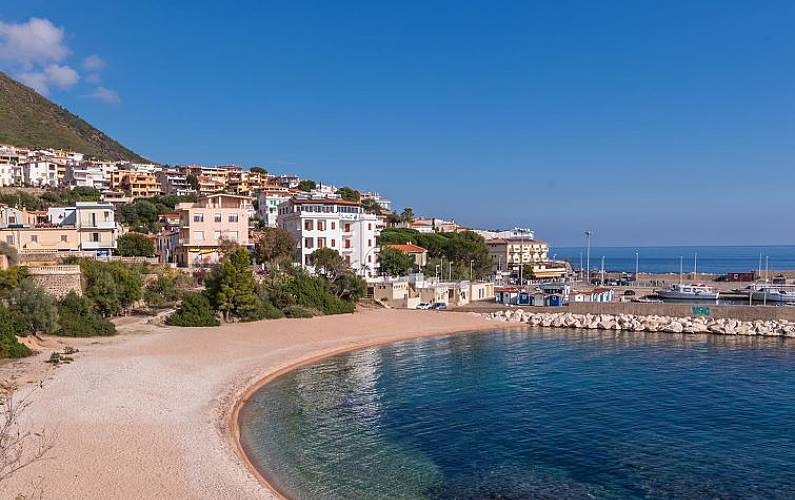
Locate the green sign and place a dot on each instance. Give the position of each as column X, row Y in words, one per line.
column 700, row 311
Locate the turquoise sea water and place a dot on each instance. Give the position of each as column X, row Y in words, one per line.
column 534, row 414
column 711, row 259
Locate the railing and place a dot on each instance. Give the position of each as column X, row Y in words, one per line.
column 57, row 269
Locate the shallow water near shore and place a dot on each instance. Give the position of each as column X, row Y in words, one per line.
column 533, row 413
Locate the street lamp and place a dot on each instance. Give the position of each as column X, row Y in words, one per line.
column 637, row 259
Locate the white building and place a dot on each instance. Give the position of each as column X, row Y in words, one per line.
column 332, row 223
column 268, row 204
column 8, row 172
column 40, row 173
column 87, row 176
column 506, row 234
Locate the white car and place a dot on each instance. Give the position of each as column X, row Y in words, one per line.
column 423, row 306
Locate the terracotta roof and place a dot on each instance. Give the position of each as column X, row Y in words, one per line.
column 407, row 248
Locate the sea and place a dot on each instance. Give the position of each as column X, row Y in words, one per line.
column 533, row 413
column 667, row 259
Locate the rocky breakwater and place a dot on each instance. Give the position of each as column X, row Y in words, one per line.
column 632, row 323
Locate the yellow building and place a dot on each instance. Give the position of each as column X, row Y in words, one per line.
column 136, row 184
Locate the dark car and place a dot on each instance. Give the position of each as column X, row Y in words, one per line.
column 439, row 306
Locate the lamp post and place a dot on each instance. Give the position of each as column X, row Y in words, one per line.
column 588, row 257
column 637, row 261
column 471, row 264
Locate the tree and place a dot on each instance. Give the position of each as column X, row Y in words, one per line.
column 275, row 246
column 259, row 170
column 327, row 262
column 349, row 194
column 231, row 287
column 112, row 286
column 307, row 185
column 161, row 292
column 193, row 181
column 35, row 307
column 372, row 207
column 394, row 262
column 349, row 286
column 10, row 253
column 194, row 310
column 407, row 215
column 77, row 317
column 11, row 327
column 135, row 245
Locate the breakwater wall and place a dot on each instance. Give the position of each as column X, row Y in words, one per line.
column 651, row 323
column 739, row 312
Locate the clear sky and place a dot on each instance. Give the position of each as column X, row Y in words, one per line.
column 649, row 122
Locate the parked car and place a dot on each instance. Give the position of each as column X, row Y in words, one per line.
column 423, row 306
column 439, row 306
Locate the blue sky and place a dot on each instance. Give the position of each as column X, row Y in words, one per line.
column 649, row 122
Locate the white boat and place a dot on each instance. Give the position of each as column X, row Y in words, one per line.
column 681, row 291
column 774, row 294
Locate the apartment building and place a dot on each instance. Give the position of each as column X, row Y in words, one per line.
column 8, row 173
column 40, row 173
column 332, row 223
column 174, row 182
column 510, row 254
column 206, row 223
column 96, row 225
column 86, row 227
column 268, row 202
column 87, row 176
column 377, row 198
column 418, row 253
column 138, row 184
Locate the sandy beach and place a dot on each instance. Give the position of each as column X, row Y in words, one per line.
column 146, row 414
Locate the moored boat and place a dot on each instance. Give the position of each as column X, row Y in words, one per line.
column 681, row 291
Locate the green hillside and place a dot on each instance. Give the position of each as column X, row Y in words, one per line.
column 30, row 120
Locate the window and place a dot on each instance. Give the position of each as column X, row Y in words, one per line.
column 347, row 228
column 198, row 235
column 369, row 258
column 369, row 243
column 198, row 218
column 233, row 218
column 34, row 238
column 308, row 260
column 308, row 225
column 308, row 243
column 217, row 217
column 321, row 226
column 369, row 227
column 64, row 238
column 233, row 235
column 333, row 242
column 347, row 243
column 321, row 242
column 95, row 237
column 348, row 260
column 333, row 225
column 10, row 240
column 216, row 235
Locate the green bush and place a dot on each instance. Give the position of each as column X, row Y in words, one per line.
column 135, row 245
column 194, row 310
column 162, row 292
column 10, row 328
column 112, row 286
column 33, row 306
column 77, row 317
column 301, row 312
column 265, row 310
column 299, row 288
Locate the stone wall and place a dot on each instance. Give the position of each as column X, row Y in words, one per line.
column 744, row 313
column 57, row 280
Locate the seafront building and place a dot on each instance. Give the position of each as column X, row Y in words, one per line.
column 204, row 225
column 268, row 202
column 332, row 223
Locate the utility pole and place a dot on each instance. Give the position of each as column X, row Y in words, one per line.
column 588, row 258
column 695, row 267
column 603, row 270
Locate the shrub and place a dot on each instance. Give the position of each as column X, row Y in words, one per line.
column 114, row 286
column 10, row 328
column 79, row 318
column 301, row 312
column 35, row 307
column 194, row 310
column 299, row 288
column 161, row 292
column 266, row 310
column 135, row 245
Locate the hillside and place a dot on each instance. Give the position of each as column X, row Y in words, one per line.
column 30, row 120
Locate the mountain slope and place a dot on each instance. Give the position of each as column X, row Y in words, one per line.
column 30, row 120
